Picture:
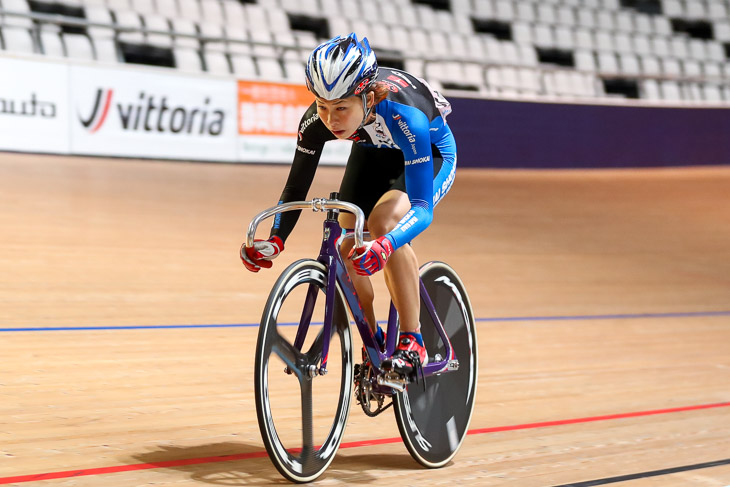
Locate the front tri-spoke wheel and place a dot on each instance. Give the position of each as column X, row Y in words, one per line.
column 434, row 419
column 301, row 413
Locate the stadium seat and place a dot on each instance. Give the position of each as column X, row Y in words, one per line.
column 270, row 69
column 445, row 21
column 119, row 4
column 102, row 16
column 525, row 12
column 158, row 23
column 17, row 6
column 670, row 67
column 584, row 60
column 607, row 62
column 212, row 12
column 277, row 20
column 244, row 66
column 127, row 19
column 650, row 65
column 691, row 68
column 51, row 44
column 522, row 32
column 641, row 44
column 650, row 90
column 564, row 37
column 587, row 18
column 543, row 35
column 527, row 56
column 529, row 80
column 235, row 15
column 187, row 59
column 189, row 9
column 105, row 50
column 78, row 46
column 294, row 71
column 216, row 62
column 143, row 6
column 167, row 8
column 629, row 64
column 18, row 39
column 213, row 37
column 717, row 9
column 711, row 92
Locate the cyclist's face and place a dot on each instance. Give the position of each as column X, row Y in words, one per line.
column 342, row 116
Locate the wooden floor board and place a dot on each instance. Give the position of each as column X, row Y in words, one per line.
column 599, row 293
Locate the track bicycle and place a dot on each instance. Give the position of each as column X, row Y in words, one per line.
column 305, row 368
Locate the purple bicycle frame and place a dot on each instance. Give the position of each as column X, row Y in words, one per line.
column 329, row 255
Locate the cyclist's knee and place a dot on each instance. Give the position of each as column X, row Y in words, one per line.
column 381, row 223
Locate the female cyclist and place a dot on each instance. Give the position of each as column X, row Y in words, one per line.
column 402, row 163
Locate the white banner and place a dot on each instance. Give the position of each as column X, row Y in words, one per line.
column 33, row 106
column 281, row 149
column 136, row 113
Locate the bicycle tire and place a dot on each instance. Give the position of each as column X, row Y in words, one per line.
column 434, row 422
column 307, row 460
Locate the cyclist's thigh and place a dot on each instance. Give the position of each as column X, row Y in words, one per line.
column 370, row 172
column 388, row 211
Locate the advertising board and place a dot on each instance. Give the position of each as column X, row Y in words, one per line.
column 141, row 113
column 33, row 106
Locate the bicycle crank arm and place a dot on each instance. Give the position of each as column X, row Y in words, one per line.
column 394, row 381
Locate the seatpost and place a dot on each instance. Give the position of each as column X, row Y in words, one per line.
column 333, row 213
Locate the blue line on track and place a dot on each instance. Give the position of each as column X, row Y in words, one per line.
column 483, row 320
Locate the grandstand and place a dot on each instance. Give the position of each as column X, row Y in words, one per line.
column 657, row 50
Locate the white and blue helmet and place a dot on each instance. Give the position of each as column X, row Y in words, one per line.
column 341, row 67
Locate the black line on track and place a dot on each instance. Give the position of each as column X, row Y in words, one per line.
column 652, row 473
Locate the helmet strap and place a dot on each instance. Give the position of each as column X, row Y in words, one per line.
column 365, row 109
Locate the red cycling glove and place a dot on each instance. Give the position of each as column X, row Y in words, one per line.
column 372, row 257
column 262, row 253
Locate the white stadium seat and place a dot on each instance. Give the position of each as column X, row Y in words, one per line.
column 78, row 46
column 51, row 44
column 216, row 62
column 18, row 39
column 187, row 59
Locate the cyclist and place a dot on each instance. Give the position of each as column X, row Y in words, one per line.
column 401, row 164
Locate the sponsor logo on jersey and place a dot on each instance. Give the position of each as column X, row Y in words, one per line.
column 150, row 113
column 403, row 83
column 392, row 87
column 311, row 152
column 402, row 79
column 28, row 108
column 406, row 131
column 307, row 123
column 420, row 160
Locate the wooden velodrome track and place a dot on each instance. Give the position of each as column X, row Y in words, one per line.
column 603, row 300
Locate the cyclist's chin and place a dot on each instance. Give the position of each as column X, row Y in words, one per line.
column 342, row 134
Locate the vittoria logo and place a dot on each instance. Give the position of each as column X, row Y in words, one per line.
column 149, row 113
column 28, row 108
column 306, row 124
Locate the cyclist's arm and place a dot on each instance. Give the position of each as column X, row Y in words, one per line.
column 413, row 137
column 310, row 142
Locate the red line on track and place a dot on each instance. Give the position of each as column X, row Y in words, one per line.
column 354, row 444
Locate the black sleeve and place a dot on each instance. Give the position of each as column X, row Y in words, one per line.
column 310, row 142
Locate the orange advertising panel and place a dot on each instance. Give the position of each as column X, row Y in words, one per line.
column 271, row 108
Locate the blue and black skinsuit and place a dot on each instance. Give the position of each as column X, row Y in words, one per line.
column 408, row 147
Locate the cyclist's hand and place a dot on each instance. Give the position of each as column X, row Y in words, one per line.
column 262, row 253
column 372, row 257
